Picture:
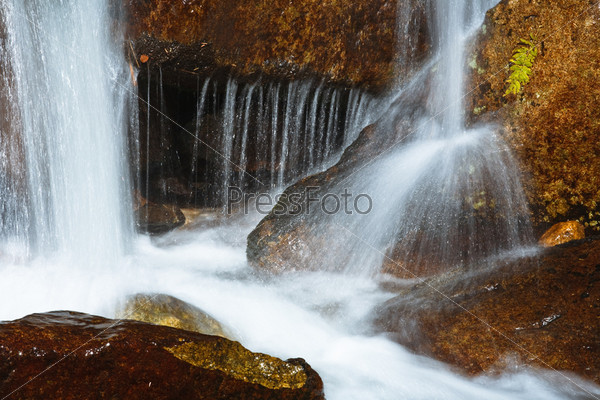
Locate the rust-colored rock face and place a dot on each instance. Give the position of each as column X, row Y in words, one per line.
column 542, row 311
column 67, row 355
column 554, row 123
column 562, row 232
column 351, row 42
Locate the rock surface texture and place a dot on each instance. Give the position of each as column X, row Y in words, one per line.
column 562, row 232
column 68, row 355
column 352, row 43
column 553, row 125
column 542, row 310
column 162, row 309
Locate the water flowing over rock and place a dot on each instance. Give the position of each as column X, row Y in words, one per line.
column 553, row 125
column 542, row 310
column 351, row 43
column 416, row 191
column 249, row 134
column 70, row 355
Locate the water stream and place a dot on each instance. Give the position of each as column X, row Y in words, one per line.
column 69, row 115
column 70, row 245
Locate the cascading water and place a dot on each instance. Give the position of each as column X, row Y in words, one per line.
column 441, row 195
column 67, row 110
column 67, row 89
column 261, row 135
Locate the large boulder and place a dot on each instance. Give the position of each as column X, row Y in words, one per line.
column 352, row 43
column 70, row 355
column 542, row 310
column 452, row 213
column 553, row 124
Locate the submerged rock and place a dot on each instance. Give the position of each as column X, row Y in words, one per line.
column 553, row 124
column 542, row 310
column 70, row 355
column 161, row 309
column 562, row 232
column 155, row 218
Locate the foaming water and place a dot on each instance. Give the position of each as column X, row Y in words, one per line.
column 319, row 316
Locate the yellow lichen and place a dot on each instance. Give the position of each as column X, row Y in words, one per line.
column 235, row 360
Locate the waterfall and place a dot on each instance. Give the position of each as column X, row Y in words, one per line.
column 259, row 136
column 66, row 85
column 437, row 194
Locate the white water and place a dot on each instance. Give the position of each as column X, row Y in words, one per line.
column 78, row 261
column 69, row 112
column 321, row 317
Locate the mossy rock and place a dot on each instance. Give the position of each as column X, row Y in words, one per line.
column 553, row 125
column 162, row 309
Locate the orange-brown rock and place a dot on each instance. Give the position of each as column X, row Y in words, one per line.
column 346, row 42
column 553, row 125
column 68, row 355
column 542, row 310
column 562, row 232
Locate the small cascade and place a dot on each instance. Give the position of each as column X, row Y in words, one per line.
column 273, row 134
column 65, row 186
column 253, row 135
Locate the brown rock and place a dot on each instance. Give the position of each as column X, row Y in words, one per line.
column 71, row 355
column 346, row 42
column 542, row 310
column 554, row 124
column 562, row 232
column 155, row 218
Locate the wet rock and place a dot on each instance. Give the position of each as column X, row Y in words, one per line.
column 542, row 310
column 562, row 232
column 351, row 43
column 286, row 240
column 161, row 309
column 70, row 355
column 301, row 239
column 553, row 125
column 156, row 219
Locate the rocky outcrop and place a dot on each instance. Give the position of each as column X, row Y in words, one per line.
column 562, row 232
column 353, row 43
column 542, row 310
column 161, row 309
column 71, row 355
column 554, row 123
